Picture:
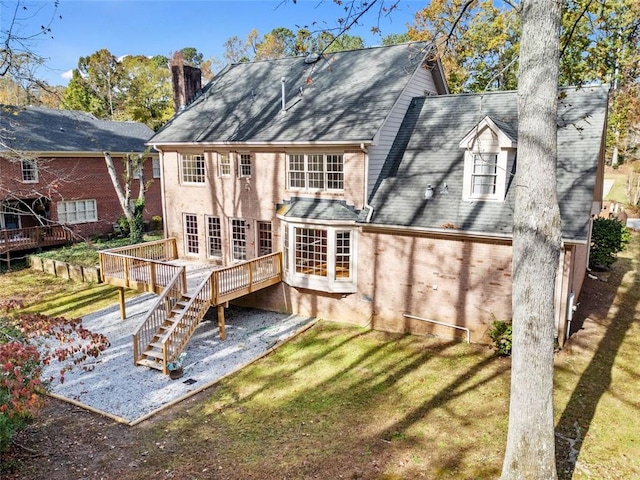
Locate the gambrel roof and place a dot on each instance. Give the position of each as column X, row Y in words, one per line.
column 36, row 129
column 343, row 97
column 427, row 152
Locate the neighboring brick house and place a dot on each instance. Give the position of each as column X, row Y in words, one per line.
column 389, row 198
column 53, row 171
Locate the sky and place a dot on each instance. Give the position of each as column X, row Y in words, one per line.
column 161, row 27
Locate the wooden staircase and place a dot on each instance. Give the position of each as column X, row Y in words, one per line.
column 174, row 316
column 153, row 355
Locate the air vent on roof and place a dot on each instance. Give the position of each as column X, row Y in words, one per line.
column 311, row 58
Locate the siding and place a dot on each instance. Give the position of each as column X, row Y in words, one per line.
column 420, row 85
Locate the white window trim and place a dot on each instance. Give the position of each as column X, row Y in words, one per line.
column 239, row 156
column 186, row 235
column 34, row 168
column 232, row 240
column 65, row 203
column 228, row 163
column 501, row 145
column 329, row 283
column 207, row 217
column 182, row 157
column 306, row 172
column 156, row 169
column 501, row 175
column 257, row 234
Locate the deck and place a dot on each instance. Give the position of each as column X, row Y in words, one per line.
column 20, row 239
column 149, row 267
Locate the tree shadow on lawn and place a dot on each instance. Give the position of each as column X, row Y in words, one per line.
column 596, row 379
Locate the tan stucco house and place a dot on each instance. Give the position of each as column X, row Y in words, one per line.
column 390, row 199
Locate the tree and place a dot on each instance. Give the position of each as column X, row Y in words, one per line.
column 94, row 86
column 146, row 90
column 530, row 451
column 131, row 208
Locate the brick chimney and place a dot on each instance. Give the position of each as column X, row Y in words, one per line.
column 187, row 82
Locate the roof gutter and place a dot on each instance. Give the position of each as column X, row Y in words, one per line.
column 451, row 233
column 305, row 143
column 73, row 154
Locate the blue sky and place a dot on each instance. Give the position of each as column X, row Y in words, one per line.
column 152, row 27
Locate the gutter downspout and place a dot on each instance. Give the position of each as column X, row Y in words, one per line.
column 369, row 208
column 162, row 191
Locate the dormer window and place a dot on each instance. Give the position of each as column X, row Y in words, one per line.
column 485, row 174
column 488, row 160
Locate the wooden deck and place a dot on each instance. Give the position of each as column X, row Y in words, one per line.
column 148, row 267
column 174, row 316
column 33, row 237
column 22, row 239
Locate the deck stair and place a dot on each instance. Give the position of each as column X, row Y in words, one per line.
column 153, row 355
column 176, row 313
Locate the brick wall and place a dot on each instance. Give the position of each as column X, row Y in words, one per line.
column 252, row 199
column 463, row 282
column 69, row 178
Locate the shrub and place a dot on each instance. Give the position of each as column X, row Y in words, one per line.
column 156, row 223
column 609, row 237
column 21, row 362
column 501, row 333
column 20, row 388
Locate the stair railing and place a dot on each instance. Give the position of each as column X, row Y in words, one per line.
column 159, row 312
column 185, row 323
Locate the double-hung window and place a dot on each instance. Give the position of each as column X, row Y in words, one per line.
column 193, row 168
column 484, row 174
column 323, row 172
column 265, row 239
column 214, row 237
column 238, row 239
column 155, row 162
column 224, row 164
column 244, row 165
column 191, row 243
column 29, row 171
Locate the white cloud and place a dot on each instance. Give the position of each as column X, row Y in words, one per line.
column 68, row 75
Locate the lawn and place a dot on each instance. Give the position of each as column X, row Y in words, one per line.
column 344, row 402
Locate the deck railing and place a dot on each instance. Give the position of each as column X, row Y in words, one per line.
column 177, row 337
column 33, row 237
column 142, row 266
column 159, row 312
column 238, row 280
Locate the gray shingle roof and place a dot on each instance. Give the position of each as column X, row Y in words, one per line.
column 318, row 209
column 346, row 96
column 426, row 151
column 35, row 129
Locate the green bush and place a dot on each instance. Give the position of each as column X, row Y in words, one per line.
column 609, row 237
column 501, row 333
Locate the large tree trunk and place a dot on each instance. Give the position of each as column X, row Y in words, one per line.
column 530, row 451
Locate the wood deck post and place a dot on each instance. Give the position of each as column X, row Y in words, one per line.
column 221, row 325
column 123, row 313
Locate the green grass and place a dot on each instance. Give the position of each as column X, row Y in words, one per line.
column 86, row 253
column 40, row 292
column 618, row 192
column 343, row 402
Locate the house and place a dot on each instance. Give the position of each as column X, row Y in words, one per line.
column 53, row 171
column 390, row 200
